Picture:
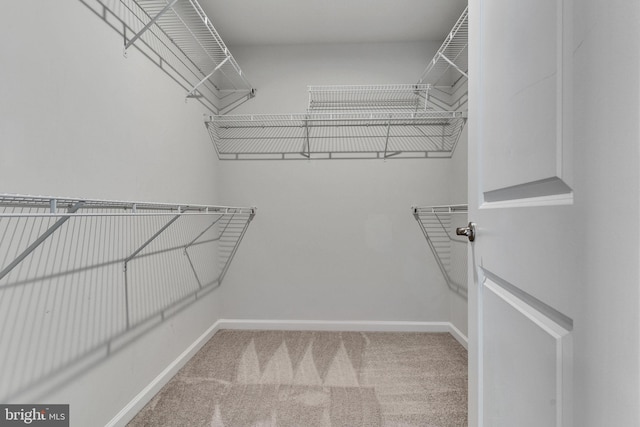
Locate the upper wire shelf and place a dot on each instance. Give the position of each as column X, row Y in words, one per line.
column 422, row 120
column 179, row 31
column 67, row 207
column 450, row 63
column 356, row 135
column 391, row 97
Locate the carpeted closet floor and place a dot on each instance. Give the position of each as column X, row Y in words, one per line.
column 308, row 379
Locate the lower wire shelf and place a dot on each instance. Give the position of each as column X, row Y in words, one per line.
column 438, row 225
column 87, row 277
column 29, row 222
column 357, row 135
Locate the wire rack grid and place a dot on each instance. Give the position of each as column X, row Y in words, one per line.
column 450, row 63
column 182, row 35
column 389, row 97
column 336, row 135
column 450, row 252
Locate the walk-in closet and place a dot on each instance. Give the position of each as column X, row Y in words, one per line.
column 319, row 213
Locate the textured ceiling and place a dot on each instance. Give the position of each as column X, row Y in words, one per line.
column 262, row 22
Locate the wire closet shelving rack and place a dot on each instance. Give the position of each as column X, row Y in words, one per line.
column 449, row 251
column 180, row 38
column 421, row 120
column 343, row 135
column 102, row 269
column 55, row 212
column 450, row 64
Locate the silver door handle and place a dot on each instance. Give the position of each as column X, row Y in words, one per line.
column 469, row 231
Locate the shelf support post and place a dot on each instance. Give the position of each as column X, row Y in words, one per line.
column 450, row 283
column 191, row 243
column 149, row 24
column 188, row 245
column 207, row 77
column 443, row 270
column 306, row 139
column 133, row 255
column 386, row 142
column 306, row 125
column 151, row 239
column 53, row 207
column 452, row 64
column 235, row 247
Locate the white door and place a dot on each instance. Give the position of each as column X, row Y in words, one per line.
column 554, row 191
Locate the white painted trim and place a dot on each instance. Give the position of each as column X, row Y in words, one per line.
column 334, row 325
column 347, row 325
column 137, row 403
column 459, row 336
column 563, row 344
column 554, row 200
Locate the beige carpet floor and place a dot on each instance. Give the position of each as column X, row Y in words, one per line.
column 316, row 379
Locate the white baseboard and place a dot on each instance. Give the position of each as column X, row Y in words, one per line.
column 358, row 326
column 334, row 325
column 137, row 403
column 459, row 336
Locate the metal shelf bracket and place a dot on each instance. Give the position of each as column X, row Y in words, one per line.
column 450, row 62
column 436, row 211
column 225, row 268
column 43, row 236
column 191, row 93
column 151, row 239
column 451, row 54
column 386, row 141
column 153, row 20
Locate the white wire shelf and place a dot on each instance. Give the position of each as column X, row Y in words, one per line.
column 356, row 135
column 107, row 270
column 182, row 36
column 422, row 120
column 438, row 224
column 450, row 64
column 450, row 209
column 390, row 97
column 19, row 205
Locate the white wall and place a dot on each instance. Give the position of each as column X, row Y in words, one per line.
column 333, row 240
column 78, row 119
column 606, row 113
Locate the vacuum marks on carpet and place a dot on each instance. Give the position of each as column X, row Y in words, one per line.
column 323, row 379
